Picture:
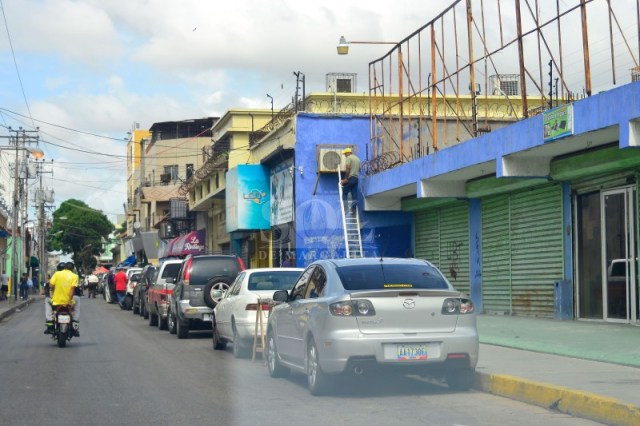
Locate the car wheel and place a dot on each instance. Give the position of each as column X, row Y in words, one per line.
column 171, row 323
column 162, row 323
column 214, row 284
column 317, row 381
column 153, row 320
column 128, row 303
column 273, row 365
column 460, row 380
column 182, row 329
column 218, row 344
column 239, row 351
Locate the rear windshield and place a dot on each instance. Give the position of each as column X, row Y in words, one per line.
column 388, row 277
column 283, row 280
column 204, row 269
column 171, row 270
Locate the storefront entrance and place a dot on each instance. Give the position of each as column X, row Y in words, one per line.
column 606, row 269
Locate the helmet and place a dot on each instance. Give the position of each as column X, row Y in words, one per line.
column 69, row 266
column 346, row 151
column 60, row 266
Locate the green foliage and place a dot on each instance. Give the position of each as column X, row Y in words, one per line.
column 79, row 230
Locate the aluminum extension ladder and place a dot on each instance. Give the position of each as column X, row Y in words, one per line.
column 351, row 227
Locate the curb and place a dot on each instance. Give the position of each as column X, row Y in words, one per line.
column 574, row 402
column 15, row 307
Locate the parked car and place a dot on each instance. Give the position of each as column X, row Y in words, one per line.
column 131, row 284
column 157, row 305
column 353, row 315
column 110, row 287
column 192, row 302
column 235, row 315
column 140, row 291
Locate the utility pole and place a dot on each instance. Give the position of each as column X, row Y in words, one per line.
column 42, row 198
column 20, row 139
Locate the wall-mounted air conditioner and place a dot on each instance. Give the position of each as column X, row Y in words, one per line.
column 330, row 158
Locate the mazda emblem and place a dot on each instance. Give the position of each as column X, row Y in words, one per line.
column 409, row 304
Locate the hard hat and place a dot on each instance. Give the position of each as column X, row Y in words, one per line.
column 346, row 151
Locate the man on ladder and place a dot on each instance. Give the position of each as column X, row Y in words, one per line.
column 350, row 181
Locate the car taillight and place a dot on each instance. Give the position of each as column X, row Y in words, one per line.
column 254, row 307
column 353, row 308
column 187, row 271
column 457, row 306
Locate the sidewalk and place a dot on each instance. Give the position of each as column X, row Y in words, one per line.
column 8, row 308
column 585, row 369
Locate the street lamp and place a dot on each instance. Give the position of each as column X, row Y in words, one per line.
column 343, row 44
column 271, row 97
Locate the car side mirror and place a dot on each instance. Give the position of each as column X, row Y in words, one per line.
column 281, row 296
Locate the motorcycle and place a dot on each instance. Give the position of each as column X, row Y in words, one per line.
column 63, row 325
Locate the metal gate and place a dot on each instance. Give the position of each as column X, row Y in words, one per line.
column 522, row 251
column 442, row 237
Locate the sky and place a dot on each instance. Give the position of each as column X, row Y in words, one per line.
column 85, row 71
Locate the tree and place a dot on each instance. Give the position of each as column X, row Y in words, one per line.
column 79, row 230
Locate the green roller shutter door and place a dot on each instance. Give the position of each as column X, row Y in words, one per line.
column 522, row 251
column 442, row 237
column 496, row 249
column 536, row 250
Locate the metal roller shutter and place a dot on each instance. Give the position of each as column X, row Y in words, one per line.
column 427, row 241
column 454, row 245
column 442, row 237
column 496, row 249
column 536, row 250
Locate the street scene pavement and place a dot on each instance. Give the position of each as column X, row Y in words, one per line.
column 589, row 370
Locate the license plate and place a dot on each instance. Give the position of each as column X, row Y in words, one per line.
column 207, row 317
column 406, row 352
column 64, row 319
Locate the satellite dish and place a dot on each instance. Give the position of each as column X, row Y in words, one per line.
column 136, row 225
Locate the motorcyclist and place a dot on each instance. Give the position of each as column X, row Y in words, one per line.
column 62, row 287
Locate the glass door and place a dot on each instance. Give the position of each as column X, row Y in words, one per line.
column 619, row 261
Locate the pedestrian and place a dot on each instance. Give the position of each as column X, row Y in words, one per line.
column 92, row 285
column 24, row 288
column 350, row 181
column 29, row 286
column 289, row 261
column 4, row 286
column 120, row 280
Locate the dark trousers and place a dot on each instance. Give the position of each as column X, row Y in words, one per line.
column 351, row 187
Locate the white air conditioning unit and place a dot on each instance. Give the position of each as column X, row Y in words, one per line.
column 330, row 159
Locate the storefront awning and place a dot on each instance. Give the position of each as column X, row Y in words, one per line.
column 192, row 243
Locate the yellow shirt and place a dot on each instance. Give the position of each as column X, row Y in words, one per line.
column 62, row 287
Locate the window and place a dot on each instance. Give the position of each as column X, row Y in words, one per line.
column 299, row 288
column 317, row 284
column 171, row 171
column 189, row 170
column 379, row 277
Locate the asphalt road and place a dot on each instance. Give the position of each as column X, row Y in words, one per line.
column 121, row 371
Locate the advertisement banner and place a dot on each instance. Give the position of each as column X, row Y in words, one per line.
column 282, row 193
column 558, row 122
column 247, row 198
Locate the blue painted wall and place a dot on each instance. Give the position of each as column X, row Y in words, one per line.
column 319, row 232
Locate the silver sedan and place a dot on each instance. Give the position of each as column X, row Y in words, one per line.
column 353, row 315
